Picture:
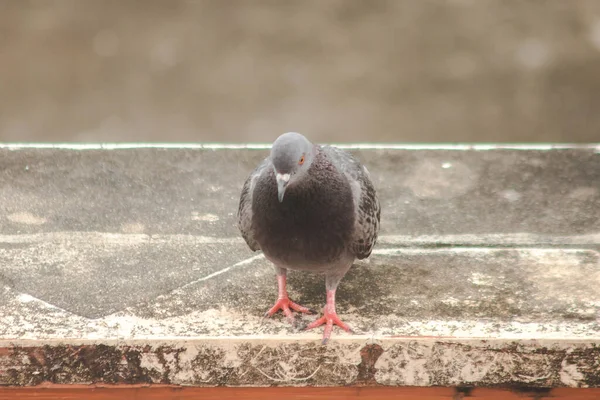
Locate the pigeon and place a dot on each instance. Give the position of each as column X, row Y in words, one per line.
column 309, row 207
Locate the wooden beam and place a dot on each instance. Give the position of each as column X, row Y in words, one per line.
column 155, row 392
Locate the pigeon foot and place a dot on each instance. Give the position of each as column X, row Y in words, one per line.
column 329, row 319
column 286, row 305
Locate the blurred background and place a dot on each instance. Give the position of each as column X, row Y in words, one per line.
column 336, row 70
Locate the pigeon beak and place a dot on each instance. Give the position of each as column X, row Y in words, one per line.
column 282, row 182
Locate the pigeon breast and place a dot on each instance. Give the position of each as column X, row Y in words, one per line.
column 313, row 227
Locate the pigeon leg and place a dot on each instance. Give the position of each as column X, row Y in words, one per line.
column 329, row 318
column 283, row 301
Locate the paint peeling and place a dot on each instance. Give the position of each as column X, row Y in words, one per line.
column 485, row 363
column 569, row 374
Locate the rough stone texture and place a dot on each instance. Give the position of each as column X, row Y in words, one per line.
column 260, row 362
column 342, row 70
column 125, row 266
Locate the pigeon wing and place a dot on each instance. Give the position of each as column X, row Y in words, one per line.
column 367, row 210
column 245, row 206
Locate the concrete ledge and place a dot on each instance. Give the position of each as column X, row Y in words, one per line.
column 124, row 265
column 288, row 361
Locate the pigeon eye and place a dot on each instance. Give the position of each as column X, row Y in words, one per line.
column 301, row 160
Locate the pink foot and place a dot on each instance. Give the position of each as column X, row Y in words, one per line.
column 329, row 318
column 286, row 305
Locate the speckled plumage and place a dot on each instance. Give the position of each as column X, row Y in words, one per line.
column 327, row 219
column 336, row 210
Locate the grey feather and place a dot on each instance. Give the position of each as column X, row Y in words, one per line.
column 245, row 206
column 312, row 208
column 316, row 211
column 366, row 203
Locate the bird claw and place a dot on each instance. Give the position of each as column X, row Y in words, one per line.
column 329, row 319
column 286, row 305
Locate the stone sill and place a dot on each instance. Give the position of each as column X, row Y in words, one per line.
column 122, row 264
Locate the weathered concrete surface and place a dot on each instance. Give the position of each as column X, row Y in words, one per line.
column 264, row 362
column 126, row 266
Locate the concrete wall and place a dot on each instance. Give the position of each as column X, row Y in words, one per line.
column 337, row 70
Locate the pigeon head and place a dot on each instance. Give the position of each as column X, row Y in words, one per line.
column 291, row 156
